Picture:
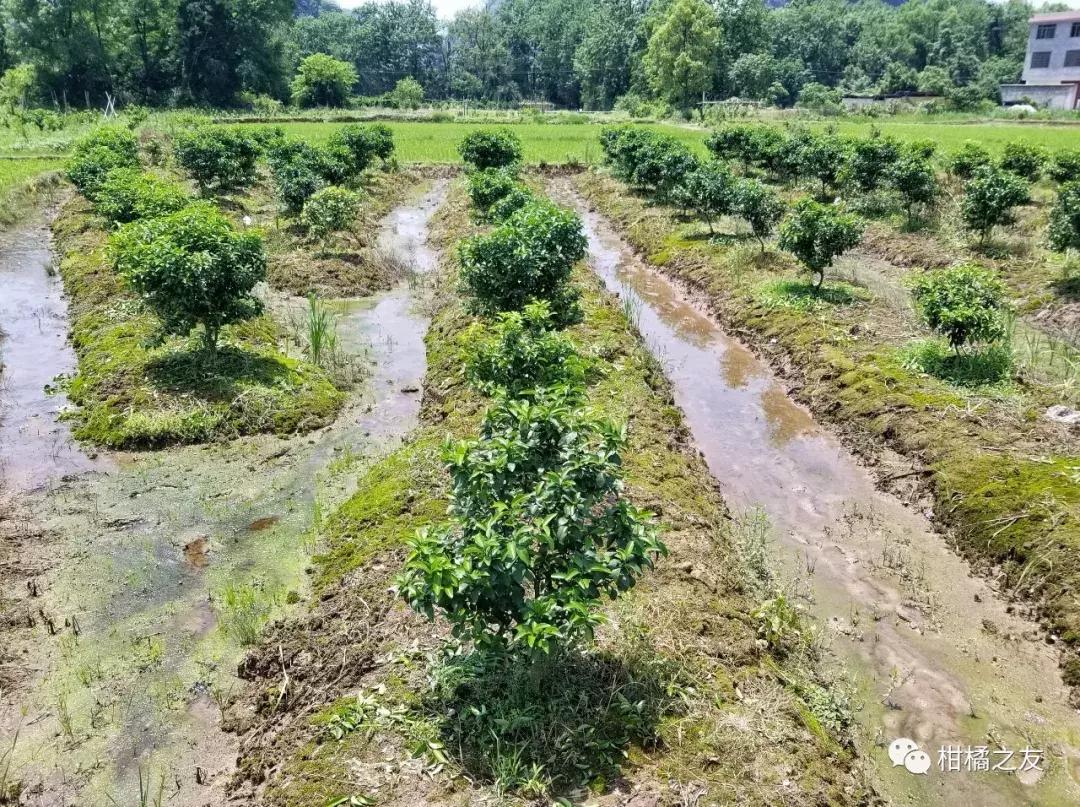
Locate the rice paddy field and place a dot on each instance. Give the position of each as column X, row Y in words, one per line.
column 422, row 142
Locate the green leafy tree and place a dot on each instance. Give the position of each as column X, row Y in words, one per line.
column 16, row 86
column 192, row 268
column 817, row 234
column 488, row 186
column 753, row 75
column 733, row 141
column 898, row 77
column 490, row 148
column 408, row 93
column 820, row 98
column 869, row 161
column 1063, row 232
column 322, row 80
column 989, row 198
column 330, row 210
column 128, row 194
column 761, row 206
column 528, row 257
column 967, row 304
column 217, row 157
column 821, row 156
column 540, row 532
column 363, row 144
column 680, row 60
column 659, row 164
column 605, row 59
column 519, row 352
column 935, row 80
column 914, row 178
column 709, row 190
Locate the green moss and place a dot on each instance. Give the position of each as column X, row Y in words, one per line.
column 132, row 392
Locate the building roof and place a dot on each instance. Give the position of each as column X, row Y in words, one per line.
column 1058, row 16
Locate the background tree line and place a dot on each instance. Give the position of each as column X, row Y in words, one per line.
column 572, row 53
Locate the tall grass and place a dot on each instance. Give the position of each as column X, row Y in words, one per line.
column 321, row 332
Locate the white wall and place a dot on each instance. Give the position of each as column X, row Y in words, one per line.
column 1062, row 42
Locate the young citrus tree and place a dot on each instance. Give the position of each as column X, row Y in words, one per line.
column 330, row 210
column 914, row 178
column 98, row 153
column 128, row 194
column 967, row 159
column 217, row 157
column 761, row 206
column 709, row 190
column 539, row 531
column 989, row 198
column 490, row 148
column 966, row 304
column 192, row 268
column 1063, row 232
column 1026, row 160
column 816, row 234
column 530, row 256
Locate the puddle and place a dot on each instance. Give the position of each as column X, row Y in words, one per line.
column 933, row 653
column 167, row 561
column 35, row 447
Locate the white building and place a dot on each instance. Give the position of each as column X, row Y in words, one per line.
column 1051, row 75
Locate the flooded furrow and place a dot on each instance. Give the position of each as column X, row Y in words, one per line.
column 35, row 445
column 934, row 654
column 170, row 562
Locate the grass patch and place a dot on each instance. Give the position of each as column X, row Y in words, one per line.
column 990, row 366
column 801, row 295
column 135, row 393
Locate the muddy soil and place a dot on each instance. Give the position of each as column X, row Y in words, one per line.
column 168, row 563
column 931, row 651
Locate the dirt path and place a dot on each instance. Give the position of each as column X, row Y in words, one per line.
column 169, row 562
column 932, row 652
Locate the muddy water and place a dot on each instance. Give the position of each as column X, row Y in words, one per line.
column 932, row 652
column 170, row 562
column 35, row 446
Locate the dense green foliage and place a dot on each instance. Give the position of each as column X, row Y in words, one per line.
column 1063, row 231
column 491, row 148
column 192, row 268
column 967, row 159
column 364, row 143
column 709, row 190
column 914, row 178
column 1023, row 159
column 989, row 198
column 98, row 153
column 568, row 52
column 870, row 161
column 217, row 157
column 528, row 257
column 816, row 234
column 330, row 210
column 519, row 352
column 539, row 532
column 322, row 80
column 1065, row 166
column 128, row 194
column 761, row 206
column 966, row 304
column 488, row 186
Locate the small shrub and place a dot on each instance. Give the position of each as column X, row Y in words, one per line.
column 518, row 197
column 322, row 80
column 761, row 206
column 734, row 142
column 520, row 352
column 914, row 178
column 128, row 194
column 870, row 161
column 661, row 163
column 192, row 268
column 539, row 534
column 821, row 156
column 816, row 234
column 528, row 257
column 363, row 144
column 295, row 182
column 300, row 169
column 966, row 304
column 621, row 146
column 488, row 186
column 1063, row 232
column 1065, row 166
column 217, row 157
column 989, row 197
column 330, row 210
column 966, row 160
column 94, row 156
column 1023, row 159
column 709, row 190
column 407, row 94
column 490, row 148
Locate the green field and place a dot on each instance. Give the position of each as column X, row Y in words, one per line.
column 419, row 142
column 437, row 142
column 15, row 172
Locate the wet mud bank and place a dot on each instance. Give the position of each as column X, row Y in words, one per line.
column 169, row 563
column 933, row 653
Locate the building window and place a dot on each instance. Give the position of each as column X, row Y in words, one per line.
column 1045, row 31
column 1075, row 32
column 1072, row 58
column 1040, row 59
